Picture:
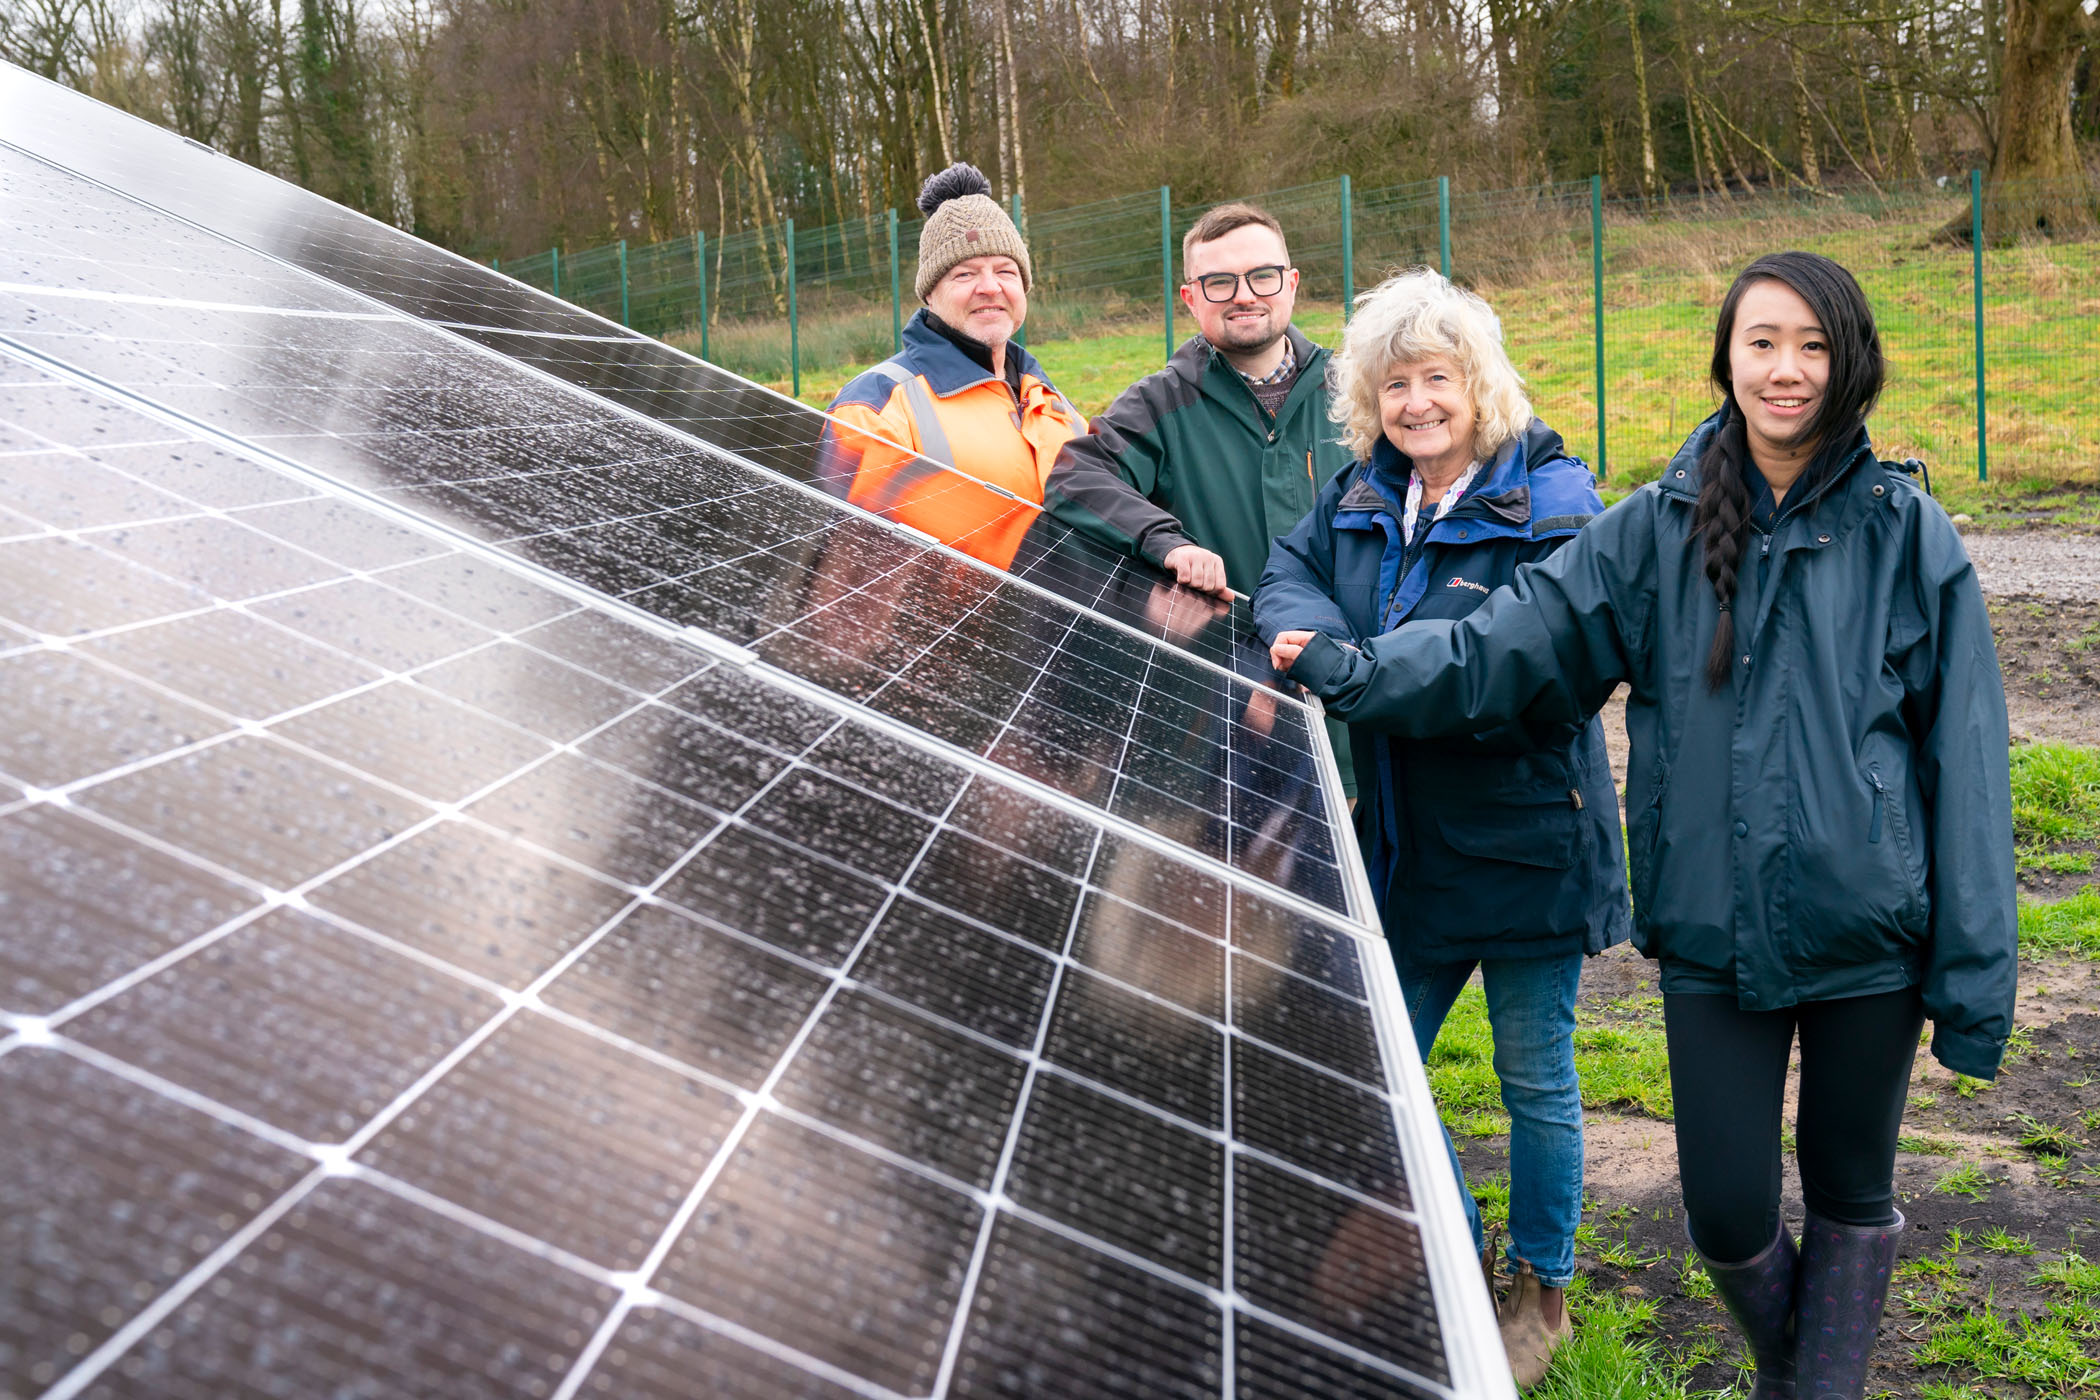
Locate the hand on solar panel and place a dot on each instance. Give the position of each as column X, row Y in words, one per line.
column 1182, row 613
column 1196, row 567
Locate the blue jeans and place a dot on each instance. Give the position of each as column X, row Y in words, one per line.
column 1531, row 1007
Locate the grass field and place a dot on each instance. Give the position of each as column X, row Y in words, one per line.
column 1664, row 279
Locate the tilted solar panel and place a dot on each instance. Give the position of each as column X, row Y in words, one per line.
column 505, row 899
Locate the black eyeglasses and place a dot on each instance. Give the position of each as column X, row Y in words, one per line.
column 1224, row 286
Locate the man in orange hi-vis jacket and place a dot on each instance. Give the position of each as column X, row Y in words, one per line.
column 960, row 392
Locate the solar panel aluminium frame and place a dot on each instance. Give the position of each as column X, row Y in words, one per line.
column 1473, row 1348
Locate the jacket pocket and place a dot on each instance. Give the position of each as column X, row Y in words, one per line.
column 1890, row 826
column 1642, row 834
column 1547, row 835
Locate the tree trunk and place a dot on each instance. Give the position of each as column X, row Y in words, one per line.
column 1640, row 98
column 2037, row 183
column 1012, row 106
column 1804, row 124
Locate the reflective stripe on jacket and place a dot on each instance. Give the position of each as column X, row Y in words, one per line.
column 932, row 400
column 1837, row 819
column 1496, row 845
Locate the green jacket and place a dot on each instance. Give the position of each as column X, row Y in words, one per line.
column 1836, row 821
column 1187, row 455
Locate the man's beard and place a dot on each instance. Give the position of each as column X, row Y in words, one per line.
column 1248, row 337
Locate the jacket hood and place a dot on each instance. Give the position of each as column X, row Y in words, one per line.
column 1532, row 486
column 1843, row 499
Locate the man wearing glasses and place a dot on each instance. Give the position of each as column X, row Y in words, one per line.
column 1200, row 466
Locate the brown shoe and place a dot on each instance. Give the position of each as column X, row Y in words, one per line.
column 1534, row 1323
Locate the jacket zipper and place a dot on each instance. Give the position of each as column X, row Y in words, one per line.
column 1309, row 481
column 1880, row 797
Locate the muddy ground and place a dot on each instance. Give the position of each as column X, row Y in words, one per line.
column 2021, row 1155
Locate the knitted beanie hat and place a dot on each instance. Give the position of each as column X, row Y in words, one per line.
column 963, row 221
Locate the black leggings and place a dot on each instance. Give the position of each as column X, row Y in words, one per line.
column 1728, row 1076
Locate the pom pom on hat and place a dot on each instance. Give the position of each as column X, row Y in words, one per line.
column 953, row 183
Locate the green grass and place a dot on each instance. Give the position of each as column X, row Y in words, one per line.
column 1609, row 1358
column 2056, row 802
column 1620, row 1059
column 2067, row 927
column 2056, row 1349
column 1660, row 299
column 1965, row 1180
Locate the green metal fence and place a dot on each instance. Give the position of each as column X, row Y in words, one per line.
column 1607, row 305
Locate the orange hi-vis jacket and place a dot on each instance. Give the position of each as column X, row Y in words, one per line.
column 898, row 424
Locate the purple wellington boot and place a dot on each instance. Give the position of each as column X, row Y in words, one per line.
column 1842, row 1284
column 1759, row 1295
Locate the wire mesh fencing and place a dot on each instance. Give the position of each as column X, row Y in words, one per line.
column 1605, row 302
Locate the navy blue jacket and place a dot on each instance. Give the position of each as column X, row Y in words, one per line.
column 1502, row 844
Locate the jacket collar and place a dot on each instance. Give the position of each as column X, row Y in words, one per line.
column 1198, row 358
column 948, row 370
column 1846, row 496
column 1499, row 495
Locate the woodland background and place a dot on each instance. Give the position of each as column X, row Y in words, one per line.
column 500, row 126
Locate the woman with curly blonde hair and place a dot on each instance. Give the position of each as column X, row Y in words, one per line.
column 1497, row 851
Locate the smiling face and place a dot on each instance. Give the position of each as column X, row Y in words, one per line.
column 1427, row 412
column 983, row 297
column 1778, row 368
column 1247, row 324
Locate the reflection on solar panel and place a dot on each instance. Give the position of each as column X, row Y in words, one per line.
column 510, row 897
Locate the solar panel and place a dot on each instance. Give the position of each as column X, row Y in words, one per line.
column 506, row 897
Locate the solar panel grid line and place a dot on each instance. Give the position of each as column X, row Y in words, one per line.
column 1020, row 578
column 92, row 1366
column 623, row 336
column 760, row 1341
column 323, row 702
column 587, row 1359
column 328, row 483
column 951, row 1351
column 98, row 1360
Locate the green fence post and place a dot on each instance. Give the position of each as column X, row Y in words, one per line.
column 794, row 324
column 1597, row 305
column 896, row 293
column 1166, row 262
column 700, row 271
column 1020, row 336
column 1983, row 451
column 1348, row 249
column 554, row 267
column 625, row 318
column 1443, row 225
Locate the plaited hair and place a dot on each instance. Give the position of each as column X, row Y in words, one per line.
column 1721, row 517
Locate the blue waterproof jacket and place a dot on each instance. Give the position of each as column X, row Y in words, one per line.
column 1835, row 821
column 1503, row 844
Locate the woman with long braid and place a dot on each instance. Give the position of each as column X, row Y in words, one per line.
column 1818, row 805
